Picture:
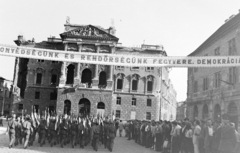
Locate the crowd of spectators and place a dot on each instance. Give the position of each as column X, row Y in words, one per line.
column 184, row 136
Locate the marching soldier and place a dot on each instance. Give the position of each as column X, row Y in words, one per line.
column 111, row 134
column 95, row 133
column 105, row 130
column 81, row 132
column 53, row 131
column 64, row 131
column 74, row 129
column 26, row 127
column 43, row 131
column 11, row 131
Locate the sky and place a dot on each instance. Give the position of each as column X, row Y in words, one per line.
column 179, row 25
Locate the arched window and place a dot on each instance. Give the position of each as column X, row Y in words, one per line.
column 101, row 105
column 70, row 74
column 102, row 80
column 84, row 106
column 135, row 79
column 67, row 107
column 87, row 77
column 195, row 112
column 150, row 83
column 54, row 77
column 205, row 112
column 39, row 74
column 120, row 78
column 217, row 113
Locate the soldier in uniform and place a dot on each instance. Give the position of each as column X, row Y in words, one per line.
column 43, row 130
column 81, row 131
column 105, row 130
column 111, row 134
column 11, row 131
column 95, row 134
column 64, row 131
column 74, row 129
column 52, row 131
column 26, row 128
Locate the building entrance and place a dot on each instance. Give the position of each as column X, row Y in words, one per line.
column 84, row 107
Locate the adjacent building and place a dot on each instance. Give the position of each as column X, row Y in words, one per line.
column 124, row 91
column 5, row 96
column 181, row 110
column 214, row 91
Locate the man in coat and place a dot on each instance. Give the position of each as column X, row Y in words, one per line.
column 228, row 139
column 208, row 136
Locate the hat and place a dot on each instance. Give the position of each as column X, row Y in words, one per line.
column 225, row 117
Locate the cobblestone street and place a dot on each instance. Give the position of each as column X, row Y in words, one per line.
column 121, row 145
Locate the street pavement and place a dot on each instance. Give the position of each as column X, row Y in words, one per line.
column 121, row 145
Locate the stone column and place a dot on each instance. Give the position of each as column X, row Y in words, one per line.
column 77, row 79
column 95, row 80
column 110, row 79
column 63, row 70
column 145, row 89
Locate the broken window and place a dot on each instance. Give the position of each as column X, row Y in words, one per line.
column 135, row 82
column 54, row 79
column 70, row 74
column 39, row 72
column 102, row 80
column 87, row 77
column 39, row 78
column 149, row 83
column 120, row 78
column 119, row 84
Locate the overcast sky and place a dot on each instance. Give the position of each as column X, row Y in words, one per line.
column 179, row 25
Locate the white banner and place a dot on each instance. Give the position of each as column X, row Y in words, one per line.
column 119, row 59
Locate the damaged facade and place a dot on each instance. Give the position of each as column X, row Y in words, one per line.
column 78, row 88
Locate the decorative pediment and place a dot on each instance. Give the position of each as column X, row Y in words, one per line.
column 89, row 32
column 150, row 78
column 120, row 76
column 135, row 77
